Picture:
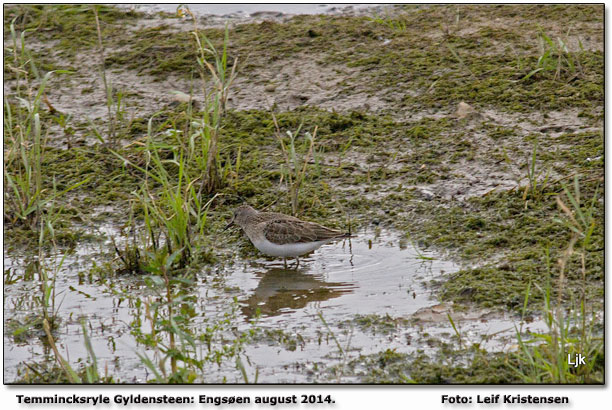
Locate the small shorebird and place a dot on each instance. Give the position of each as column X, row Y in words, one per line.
column 277, row 234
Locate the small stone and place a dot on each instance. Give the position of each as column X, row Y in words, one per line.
column 464, row 110
column 270, row 88
column 180, row 97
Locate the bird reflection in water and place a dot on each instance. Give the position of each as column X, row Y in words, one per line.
column 282, row 290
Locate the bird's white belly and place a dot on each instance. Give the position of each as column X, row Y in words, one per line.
column 286, row 250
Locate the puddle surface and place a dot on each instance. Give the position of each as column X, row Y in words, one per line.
column 254, row 9
column 301, row 314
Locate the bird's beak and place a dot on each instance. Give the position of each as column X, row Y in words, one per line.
column 228, row 225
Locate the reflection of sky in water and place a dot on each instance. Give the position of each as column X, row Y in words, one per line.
column 343, row 278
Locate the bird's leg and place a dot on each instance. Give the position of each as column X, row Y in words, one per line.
column 297, row 262
column 285, row 262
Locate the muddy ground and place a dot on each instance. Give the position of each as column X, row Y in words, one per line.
column 427, row 121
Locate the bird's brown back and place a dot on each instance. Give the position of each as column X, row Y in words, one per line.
column 292, row 230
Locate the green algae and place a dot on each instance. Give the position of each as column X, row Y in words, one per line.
column 443, row 72
column 72, row 26
column 450, row 366
column 504, row 227
column 378, row 323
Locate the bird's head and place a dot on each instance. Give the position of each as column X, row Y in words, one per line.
column 241, row 216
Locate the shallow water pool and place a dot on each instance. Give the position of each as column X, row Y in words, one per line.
column 350, row 298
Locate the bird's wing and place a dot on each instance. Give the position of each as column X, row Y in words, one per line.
column 283, row 231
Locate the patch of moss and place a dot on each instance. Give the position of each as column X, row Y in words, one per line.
column 521, row 232
column 72, row 26
column 49, row 372
column 377, row 323
column 277, row 337
column 156, row 52
column 478, row 66
column 450, row 368
column 467, row 366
